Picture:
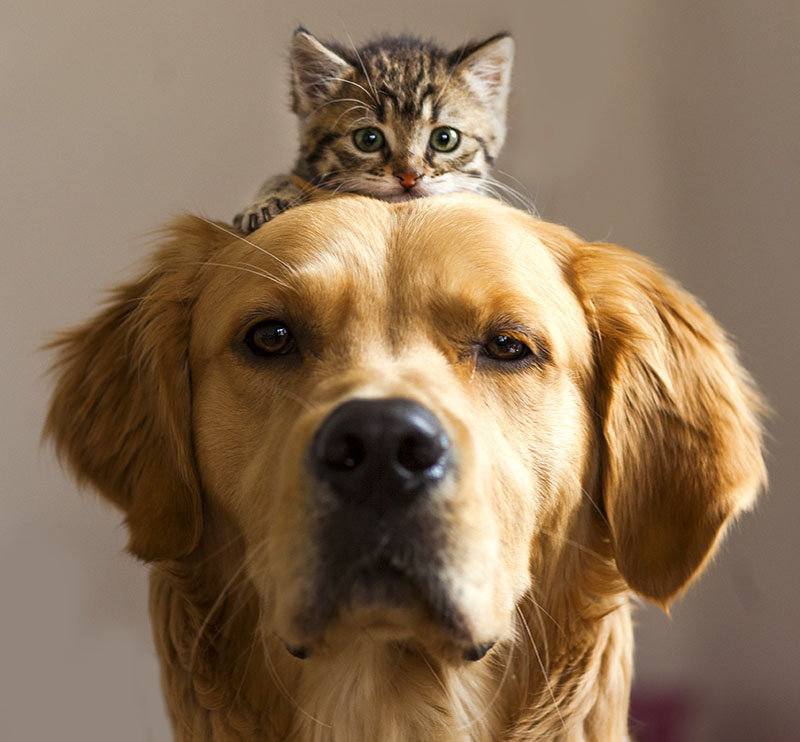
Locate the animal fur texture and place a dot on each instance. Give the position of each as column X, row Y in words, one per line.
column 598, row 437
column 396, row 119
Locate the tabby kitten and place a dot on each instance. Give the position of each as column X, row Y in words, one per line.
column 396, row 119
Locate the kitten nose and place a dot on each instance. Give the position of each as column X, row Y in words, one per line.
column 408, row 178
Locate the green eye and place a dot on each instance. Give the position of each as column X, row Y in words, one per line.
column 445, row 139
column 368, row 139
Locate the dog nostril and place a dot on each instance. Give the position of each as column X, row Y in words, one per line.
column 419, row 451
column 344, row 453
column 380, row 453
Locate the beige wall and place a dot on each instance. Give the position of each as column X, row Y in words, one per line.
column 669, row 127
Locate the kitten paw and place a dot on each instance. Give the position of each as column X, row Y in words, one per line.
column 260, row 213
column 278, row 194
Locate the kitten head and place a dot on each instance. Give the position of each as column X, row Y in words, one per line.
column 399, row 118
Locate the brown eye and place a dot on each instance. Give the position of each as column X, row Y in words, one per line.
column 506, row 348
column 269, row 338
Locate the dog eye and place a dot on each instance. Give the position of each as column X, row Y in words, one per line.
column 269, row 338
column 506, row 348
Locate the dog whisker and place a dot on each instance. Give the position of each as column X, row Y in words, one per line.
column 216, row 605
column 251, row 556
column 542, row 631
column 250, row 651
column 294, row 397
column 245, row 267
column 218, row 552
column 575, row 544
column 542, row 667
column 541, row 609
column 245, row 240
column 282, row 687
column 498, row 691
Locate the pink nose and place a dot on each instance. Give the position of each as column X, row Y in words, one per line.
column 408, row 178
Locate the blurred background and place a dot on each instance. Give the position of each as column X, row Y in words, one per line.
column 671, row 128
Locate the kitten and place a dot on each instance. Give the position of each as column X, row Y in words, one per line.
column 396, row 119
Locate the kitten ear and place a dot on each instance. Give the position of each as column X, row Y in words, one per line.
column 314, row 69
column 486, row 67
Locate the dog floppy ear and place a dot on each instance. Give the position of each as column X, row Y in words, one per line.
column 120, row 414
column 680, row 429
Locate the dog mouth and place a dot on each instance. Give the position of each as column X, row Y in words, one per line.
column 394, row 590
column 386, row 601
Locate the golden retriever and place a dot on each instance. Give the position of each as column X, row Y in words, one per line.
column 399, row 468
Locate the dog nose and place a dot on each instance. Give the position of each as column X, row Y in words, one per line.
column 408, row 178
column 380, row 453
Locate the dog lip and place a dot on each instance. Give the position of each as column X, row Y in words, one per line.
column 384, row 580
column 477, row 651
column 383, row 583
column 299, row 651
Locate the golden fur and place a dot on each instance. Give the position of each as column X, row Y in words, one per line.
column 608, row 467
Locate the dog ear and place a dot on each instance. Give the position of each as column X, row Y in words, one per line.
column 680, row 428
column 120, row 414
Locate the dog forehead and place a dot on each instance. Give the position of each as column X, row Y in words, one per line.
column 469, row 244
column 354, row 257
column 472, row 256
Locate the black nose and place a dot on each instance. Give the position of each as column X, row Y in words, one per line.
column 380, row 453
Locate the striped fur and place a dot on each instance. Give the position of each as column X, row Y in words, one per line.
column 405, row 88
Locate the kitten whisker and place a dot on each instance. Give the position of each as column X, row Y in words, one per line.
column 502, row 191
column 340, row 100
column 350, row 82
column 354, row 124
column 450, row 75
column 364, row 70
column 529, row 198
column 344, row 113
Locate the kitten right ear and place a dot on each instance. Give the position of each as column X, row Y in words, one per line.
column 487, row 69
column 315, row 68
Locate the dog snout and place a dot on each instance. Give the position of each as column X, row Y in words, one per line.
column 381, row 453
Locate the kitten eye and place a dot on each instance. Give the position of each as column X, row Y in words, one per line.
column 506, row 348
column 445, row 139
column 269, row 338
column 368, row 139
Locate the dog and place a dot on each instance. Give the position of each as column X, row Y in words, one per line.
column 398, row 469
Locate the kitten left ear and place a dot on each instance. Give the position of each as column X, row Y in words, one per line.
column 487, row 70
column 315, row 68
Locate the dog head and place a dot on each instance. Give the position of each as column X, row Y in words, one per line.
column 414, row 415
